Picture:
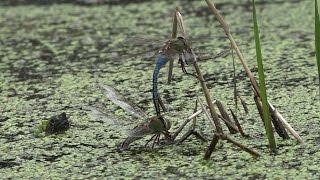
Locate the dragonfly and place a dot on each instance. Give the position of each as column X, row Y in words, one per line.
column 181, row 47
column 155, row 125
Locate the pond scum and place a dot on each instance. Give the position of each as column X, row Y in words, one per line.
column 265, row 108
column 216, row 111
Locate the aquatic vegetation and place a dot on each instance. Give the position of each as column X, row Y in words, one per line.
column 37, row 84
column 317, row 38
column 262, row 84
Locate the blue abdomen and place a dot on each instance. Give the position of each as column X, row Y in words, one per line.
column 161, row 60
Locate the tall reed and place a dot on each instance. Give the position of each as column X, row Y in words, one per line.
column 262, row 85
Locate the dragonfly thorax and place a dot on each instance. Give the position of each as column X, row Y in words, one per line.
column 159, row 124
column 177, row 45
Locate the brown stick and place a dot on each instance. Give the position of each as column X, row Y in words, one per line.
column 173, row 36
column 207, row 114
column 211, row 147
column 243, row 147
column 185, row 123
column 226, row 118
column 205, row 90
column 237, row 123
column 194, row 120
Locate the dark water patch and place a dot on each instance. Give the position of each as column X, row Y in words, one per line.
column 53, row 158
column 76, row 2
column 3, row 118
column 7, row 164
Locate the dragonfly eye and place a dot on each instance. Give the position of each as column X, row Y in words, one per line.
column 183, row 40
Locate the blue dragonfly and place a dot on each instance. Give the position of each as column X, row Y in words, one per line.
column 181, row 47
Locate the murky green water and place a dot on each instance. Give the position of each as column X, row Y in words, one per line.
column 53, row 59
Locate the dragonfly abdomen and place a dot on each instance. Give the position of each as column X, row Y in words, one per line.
column 160, row 62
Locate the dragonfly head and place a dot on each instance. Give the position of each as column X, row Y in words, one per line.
column 179, row 44
column 159, row 124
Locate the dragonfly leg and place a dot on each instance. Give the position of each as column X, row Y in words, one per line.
column 162, row 104
column 150, row 140
column 157, row 136
column 192, row 132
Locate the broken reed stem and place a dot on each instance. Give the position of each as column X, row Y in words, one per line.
column 232, row 128
column 162, row 104
column 253, row 81
column 194, row 120
column 207, row 114
column 212, row 146
column 237, row 123
column 286, row 124
column 235, row 91
column 277, row 123
column 215, row 140
column 205, row 90
column 226, row 118
column 173, row 36
column 241, row 146
column 187, row 121
column 243, row 103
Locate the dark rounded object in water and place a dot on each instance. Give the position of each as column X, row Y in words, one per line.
column 57, row 124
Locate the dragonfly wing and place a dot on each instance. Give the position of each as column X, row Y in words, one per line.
column 223, row 53
column 117, row 99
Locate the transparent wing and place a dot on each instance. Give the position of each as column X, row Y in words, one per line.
column 147, row 47
column 120, row 101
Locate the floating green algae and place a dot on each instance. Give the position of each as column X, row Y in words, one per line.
column 53, row 59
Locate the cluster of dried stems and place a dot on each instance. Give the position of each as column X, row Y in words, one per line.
column 280, row 125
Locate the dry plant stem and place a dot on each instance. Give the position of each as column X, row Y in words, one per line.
column 189, row 133
column 253, row 81
column 243, row 103
column 243, row 147
column 232, row 128
column 281, row 130
column 259, row 107
column 237, row 123
column 173, row 36
column 235, row 91
column 205, row 90
column 207, row 114
column 194, row 120
column 278, row 126
column 286, row 124
column 212, row 146
column 181, row 24
column 186, row 122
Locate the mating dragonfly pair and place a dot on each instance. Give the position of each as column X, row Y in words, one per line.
column 158, row 125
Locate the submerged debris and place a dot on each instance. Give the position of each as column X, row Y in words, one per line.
column 57, row 124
